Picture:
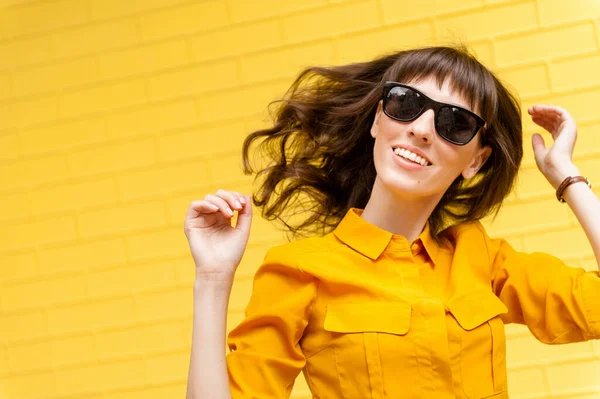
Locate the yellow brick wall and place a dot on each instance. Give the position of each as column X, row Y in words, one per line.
column 115, row 115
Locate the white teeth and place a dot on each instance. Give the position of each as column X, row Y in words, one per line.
column 404, row 153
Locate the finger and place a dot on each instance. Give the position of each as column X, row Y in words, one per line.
column 202, row 206
column 537, row 141
column 231, row 199
column 241, row 197
column 221, row 203
column 245, row 216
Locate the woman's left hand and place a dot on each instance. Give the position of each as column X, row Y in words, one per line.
column 556, row 161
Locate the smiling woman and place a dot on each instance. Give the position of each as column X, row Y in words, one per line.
column 403, row 294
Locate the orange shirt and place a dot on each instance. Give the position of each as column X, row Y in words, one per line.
column 363, row 313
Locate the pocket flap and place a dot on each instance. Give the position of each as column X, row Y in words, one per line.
column 474, row 309
column 393, row 318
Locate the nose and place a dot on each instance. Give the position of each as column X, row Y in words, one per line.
column 423, row 128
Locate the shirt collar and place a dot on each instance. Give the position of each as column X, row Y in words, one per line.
column 371, row 240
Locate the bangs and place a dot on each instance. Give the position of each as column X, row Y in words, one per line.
column 465, row 74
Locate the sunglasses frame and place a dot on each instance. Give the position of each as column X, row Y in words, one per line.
column 430, row 104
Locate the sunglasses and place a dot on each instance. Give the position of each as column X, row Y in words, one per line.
column 453, row 123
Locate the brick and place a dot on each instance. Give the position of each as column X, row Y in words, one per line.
column 163, row 179
column 6, row 89
column 103, row 98
column 330, row 21
column 565, row 41
column 286, row 62
column 227, row 169
column 24, row 113
column 69, row 197
column 30, row 385
column 130, row 280
column 195, row 80
column 251, row 261
column 31, row 356
column 4, row 368
column 240, row 293
column 234, row 318
column 151, row 119
column 588, row 140
column 490, row 22
column 26, row 51
column 25, row 325
column 563, row 78
column 108, row 9
column 163, row 305
column 564, row 243
column 39, row 232
column 9, row 142
column 581, row 375
column 18, row 266
column 72, row 350
column 183, row 20
column 248, row 101
column 578, row 104
column 202, row 141
column 77, row 257
column 168, row 367
column 115, row 375
column 590, row 168
column 18, row 204
column 527, row 351
column 41, row 17
column 483, row 52
column 531, row 183
column 122, row 219
column 243, row 11
column 531, row 217
column 34, row 171
column 394, row 11
column 177, row 390
column 117, row 157
column 90, row 316
column 155, row 245
column 366, row 46
column 527, row 382
column 143, row 59
column 254, row 36
column 554, row 12
column 64, row 135
column 95, row 38
column 527, row 81
column 44, row 292
column 138, row 340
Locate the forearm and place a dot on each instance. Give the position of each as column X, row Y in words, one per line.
column 207, row 376
column 586, row 207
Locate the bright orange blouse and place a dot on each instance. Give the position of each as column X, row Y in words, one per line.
column 363, row 313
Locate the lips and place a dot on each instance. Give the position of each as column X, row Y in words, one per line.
column 413, row 154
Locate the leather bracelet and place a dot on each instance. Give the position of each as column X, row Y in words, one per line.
column 567, row 182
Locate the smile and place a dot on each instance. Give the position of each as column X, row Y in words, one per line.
column 411, row 156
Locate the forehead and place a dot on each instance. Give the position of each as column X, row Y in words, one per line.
column 447, row 92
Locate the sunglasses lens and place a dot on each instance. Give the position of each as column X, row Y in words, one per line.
column 455, row 124
column 403, row 103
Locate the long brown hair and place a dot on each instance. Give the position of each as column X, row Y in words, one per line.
column 320, row 152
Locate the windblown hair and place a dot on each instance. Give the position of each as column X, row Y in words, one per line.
column 320, row 150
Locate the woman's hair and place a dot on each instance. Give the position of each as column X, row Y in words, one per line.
column 319, row 152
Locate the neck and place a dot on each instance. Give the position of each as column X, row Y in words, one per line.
column 398, row 213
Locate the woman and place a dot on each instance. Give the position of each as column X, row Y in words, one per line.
column 404, row 295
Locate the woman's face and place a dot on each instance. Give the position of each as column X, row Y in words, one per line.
column 445, row 161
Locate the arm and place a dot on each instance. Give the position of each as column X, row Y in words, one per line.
column 555, row 163
column 208, row 373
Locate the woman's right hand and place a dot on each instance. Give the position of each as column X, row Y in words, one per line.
column 217, row 247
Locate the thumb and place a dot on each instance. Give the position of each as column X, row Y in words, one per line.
column 244, row 219
column 537, row 141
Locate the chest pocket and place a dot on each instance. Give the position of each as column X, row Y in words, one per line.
column 478, row 335
column 361, row 332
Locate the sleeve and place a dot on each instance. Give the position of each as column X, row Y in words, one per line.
column 558, row 303
column 265, row 355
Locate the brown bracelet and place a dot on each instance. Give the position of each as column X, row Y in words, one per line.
column 567, row 182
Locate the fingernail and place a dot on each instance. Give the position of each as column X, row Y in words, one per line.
column 229, row 211
column 243, row 199
column 237, row 204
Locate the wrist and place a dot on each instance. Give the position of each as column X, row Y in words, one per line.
column 212, row 284
column 561, row 174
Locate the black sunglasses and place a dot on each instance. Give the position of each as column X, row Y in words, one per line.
column 453, row 123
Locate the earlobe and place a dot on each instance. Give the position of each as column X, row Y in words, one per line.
column 478, row 161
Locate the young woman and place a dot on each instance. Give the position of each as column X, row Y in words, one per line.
column 403, row 295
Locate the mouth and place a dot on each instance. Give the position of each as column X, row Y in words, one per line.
column 411, row 156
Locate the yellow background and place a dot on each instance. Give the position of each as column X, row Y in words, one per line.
column 115, row 114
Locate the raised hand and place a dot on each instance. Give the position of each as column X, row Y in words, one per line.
column 555, row 161
column 217, row 246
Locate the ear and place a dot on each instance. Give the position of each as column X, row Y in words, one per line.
column 478, row 161
column 376, row 121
